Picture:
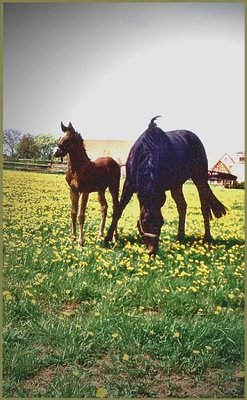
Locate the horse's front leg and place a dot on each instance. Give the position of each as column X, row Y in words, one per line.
column 177, row 194
column 118, row 210
column 81, row 216
column 103, row 207
column 74, row 196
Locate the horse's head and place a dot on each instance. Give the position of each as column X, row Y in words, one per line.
column 149, row 226
column 67, row 141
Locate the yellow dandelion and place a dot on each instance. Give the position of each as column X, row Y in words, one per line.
column 90, row 333
column 208, row 348
column 126, row 357
column 115, row 335
column 231, row 296
column 96, row 314
column 196, row 352
column 69, row 274
column 176, row 334
column 8, row 297
column 101, row 392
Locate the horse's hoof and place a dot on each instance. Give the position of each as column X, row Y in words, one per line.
column 207, row 239
column 100, row 236
column 107, row 240
column 80, row 243
column 73, row 238
column 180, row 237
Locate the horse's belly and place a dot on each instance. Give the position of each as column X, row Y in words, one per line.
column 91, row 187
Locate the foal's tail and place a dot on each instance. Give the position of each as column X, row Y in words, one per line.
column 216, row 206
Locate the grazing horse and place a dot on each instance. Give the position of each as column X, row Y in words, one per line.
column 161, row 161
column 85, row 176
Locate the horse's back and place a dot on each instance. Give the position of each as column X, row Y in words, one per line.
column 165, row 159
column 108, row 165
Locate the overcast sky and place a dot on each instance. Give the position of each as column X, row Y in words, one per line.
column 110, row 67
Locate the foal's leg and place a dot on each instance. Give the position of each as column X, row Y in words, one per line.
column 74, row 196
column 178, row 197
column 204, row 194
column 81, row 216
column 103, row 207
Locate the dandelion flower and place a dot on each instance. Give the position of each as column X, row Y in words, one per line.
column 176, row 334
column 114, row 335
column 101, row 392
column 126, row 357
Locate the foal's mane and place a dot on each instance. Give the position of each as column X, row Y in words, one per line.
column 81, row 141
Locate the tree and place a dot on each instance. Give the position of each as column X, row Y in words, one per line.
column 27, row 147
column 11, row 138
column 46, row 144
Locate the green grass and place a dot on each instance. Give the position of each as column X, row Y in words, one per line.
column 96, row 321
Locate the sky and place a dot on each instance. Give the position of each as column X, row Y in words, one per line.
column 110, row 67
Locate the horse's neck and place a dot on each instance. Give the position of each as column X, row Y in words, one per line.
column 77, row 159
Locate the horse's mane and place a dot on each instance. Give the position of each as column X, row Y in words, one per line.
column 149, row 149
column 81, row 140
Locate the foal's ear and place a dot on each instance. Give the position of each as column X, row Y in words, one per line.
column 70, row 127
column 64, row 129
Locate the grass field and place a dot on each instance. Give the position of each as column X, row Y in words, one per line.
column 111, row 322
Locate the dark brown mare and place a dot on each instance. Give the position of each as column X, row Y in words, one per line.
column 85, row 176
column 161, row 161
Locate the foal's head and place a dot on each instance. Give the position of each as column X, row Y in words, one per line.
column 67, row 141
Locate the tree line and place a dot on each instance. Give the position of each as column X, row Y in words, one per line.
column 17, row 145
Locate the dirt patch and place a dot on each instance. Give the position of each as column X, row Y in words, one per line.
column 70, row 308
column 213, row 383
column 38, row 384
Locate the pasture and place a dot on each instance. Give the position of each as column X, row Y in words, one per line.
column 112, row 322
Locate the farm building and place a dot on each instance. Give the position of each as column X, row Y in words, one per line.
column 228, row 169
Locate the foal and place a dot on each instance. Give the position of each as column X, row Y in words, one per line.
column 85, row 176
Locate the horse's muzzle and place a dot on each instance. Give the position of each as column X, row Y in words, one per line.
column 57, row 152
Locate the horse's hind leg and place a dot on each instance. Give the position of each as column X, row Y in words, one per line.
column 204, row 194
column 103, row 206
column 74, row 196
column 177, row 195
column 81, row 216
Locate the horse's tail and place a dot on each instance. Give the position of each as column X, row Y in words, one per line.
column 216, row 206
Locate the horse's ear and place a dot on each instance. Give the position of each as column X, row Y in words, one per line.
column 70, row 127
column 64, row 129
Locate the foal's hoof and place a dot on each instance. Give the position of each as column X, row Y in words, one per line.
column 73, row 238
column 80, row 243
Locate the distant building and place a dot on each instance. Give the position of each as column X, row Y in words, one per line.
column 231, row 165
